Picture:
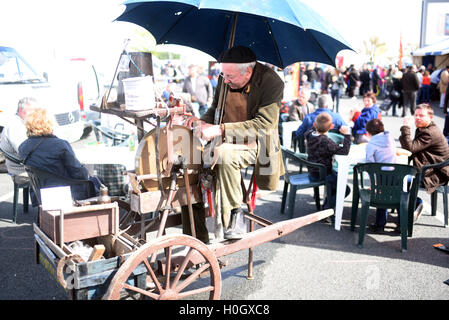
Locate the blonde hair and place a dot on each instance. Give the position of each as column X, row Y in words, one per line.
column 39, row 123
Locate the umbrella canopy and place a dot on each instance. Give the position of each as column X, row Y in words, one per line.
column 436, row 49
column 280, row 32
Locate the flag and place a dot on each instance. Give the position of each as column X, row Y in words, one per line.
column 295, row 80
column 401, row 53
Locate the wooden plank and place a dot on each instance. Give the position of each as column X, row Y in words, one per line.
column 97, row 253
column 254, row 238
column 58, row 251
column 48, row 253
column 99, row 279
column 98, row 266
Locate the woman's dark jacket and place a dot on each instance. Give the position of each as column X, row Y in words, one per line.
column 53, row 155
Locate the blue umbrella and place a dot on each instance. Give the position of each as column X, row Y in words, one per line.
column 280, row 32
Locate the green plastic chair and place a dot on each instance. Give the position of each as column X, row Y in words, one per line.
column 336, row 137
column 388, row 189
column 296, row 180
column 444, row 190
column 25, row 186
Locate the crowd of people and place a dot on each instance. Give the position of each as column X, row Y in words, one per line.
column 408, row 89
column 397, row 89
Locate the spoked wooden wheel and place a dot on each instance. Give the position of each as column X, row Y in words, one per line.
column 177, row 252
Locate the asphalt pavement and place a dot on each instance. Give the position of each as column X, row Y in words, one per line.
column 315, row 262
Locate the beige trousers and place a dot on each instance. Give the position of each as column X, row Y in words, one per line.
column 231, row 159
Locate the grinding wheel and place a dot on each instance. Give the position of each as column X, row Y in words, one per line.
column 184, row 144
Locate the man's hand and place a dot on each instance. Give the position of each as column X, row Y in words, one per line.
column 407, row 121
column 177, row 119
column 344, row 130
column 189, row 121
column 210, row 131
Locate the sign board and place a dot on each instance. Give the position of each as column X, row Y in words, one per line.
column 434, row 21
column 56, row 198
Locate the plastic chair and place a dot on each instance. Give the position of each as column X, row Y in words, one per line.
column 109, row 136
column 336, row 137
column 444, row 190
column 388, row 189
column 25, row 186
column 81, row 189
column 298, row 180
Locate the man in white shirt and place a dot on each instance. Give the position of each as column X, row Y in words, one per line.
column 13, row 135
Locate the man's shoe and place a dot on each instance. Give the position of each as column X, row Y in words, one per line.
column 233, row 235
column 376, row 228
column 397, row 230
column 237, row 226
column 418, row 210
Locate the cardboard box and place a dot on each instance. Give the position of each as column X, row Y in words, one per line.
column 81, row 222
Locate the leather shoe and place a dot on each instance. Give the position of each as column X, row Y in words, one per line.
column 376, row 228
column 237, row 226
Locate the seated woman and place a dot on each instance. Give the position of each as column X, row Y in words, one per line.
column 44, row 150
column 369, row 112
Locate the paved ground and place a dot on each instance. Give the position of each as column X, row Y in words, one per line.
column 315, row 262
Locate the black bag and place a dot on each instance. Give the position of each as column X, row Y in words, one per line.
column 395, row 94
column 386, row 105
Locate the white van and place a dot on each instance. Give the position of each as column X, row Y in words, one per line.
column 18, row 80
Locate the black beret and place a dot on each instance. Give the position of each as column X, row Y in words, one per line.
column 237, row 54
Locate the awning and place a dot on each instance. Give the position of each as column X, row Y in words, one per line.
column 436, row 49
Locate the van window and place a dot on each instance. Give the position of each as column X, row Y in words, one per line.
column 14, row 69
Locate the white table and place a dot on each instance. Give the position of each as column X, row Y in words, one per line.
column 357, row 154
column 287, row 128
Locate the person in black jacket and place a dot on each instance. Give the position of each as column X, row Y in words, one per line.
column 321, row 149
column 365, row 80
column 353, row 81
column 396, row 95
column 44, row 150
column 410, row 87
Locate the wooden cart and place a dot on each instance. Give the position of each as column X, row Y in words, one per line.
column 167, row 266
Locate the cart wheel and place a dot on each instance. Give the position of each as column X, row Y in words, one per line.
column 65, row 270
column 169, row 286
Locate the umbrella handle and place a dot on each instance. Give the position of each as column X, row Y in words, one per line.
column 234, row 27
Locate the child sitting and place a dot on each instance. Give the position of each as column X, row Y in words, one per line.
column 380, row 148
column 321, row 149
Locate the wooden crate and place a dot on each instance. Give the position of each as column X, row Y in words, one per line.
column 81, row 222
column 148, row 201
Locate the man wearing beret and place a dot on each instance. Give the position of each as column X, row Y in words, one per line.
column 248, row 132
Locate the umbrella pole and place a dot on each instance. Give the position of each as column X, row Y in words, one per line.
column 251, row 224
column 223, row 88
column 234, row 27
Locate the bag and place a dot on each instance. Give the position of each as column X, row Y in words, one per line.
column 386, row 105
column 395, row 94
